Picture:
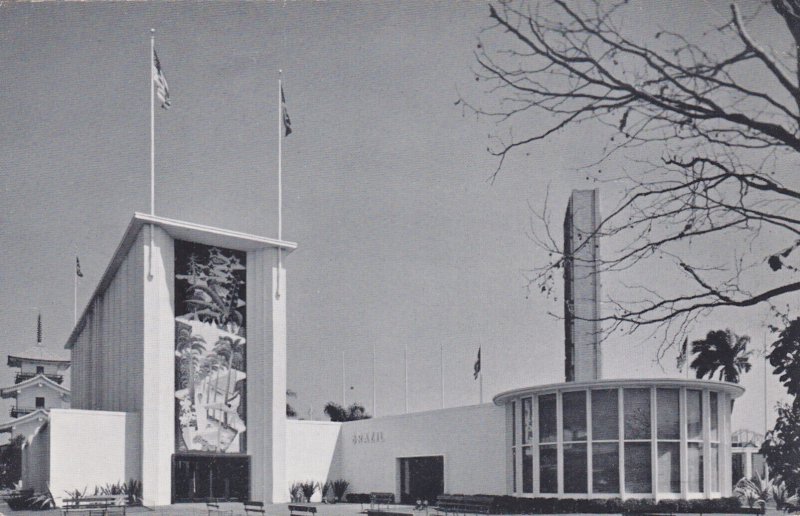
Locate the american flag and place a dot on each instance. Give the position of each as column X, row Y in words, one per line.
column 287, row 122
column 160, row 82
column 477, row 366
column 78, row 267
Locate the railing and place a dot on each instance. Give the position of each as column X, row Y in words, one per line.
column 21, row 377
column 21, row 411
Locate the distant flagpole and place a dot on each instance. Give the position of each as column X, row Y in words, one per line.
column 78, row 274
column 441, row 366
column 405, row 362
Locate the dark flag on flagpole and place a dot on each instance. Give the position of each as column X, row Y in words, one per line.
column 160, row 82
column 39, row 329
column 478, row 364
column 287, row 122
column 78, row 267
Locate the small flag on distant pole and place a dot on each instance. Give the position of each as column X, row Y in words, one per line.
column 39, row 329
column 78, row 271
column 287, row 122
column 478, row 364
column 160, row 82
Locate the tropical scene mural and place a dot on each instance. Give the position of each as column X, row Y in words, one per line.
column 210, row 349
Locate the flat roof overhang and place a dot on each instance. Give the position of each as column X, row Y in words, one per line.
column 179, row 230
column 729, row 388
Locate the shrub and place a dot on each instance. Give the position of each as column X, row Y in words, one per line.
column 309, row 487
column 296, row 492
column 339, row 489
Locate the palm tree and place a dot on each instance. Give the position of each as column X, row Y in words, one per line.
column 723, row 351
column 189, row 349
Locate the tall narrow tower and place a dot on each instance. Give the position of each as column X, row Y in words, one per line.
column 582, row 327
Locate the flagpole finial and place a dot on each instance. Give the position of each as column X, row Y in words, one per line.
column 152, row 32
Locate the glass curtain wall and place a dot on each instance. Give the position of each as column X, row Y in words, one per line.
column 621, row 440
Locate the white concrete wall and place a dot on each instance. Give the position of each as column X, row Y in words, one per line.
column 158, row 374
column 36, row 460
column 107, row 358
column 92, row 448
column 266, row 377
column 123, row 358
column 313, row 450
column 471, row 439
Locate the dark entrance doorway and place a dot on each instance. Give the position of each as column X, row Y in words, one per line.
column 203, row 477
column 421, row 478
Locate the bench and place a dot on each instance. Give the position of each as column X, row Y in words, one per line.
column 89, row 505
column 460, row 504
column 378, row 499
column 254, row 508
column 301, row 510
column 214, row 508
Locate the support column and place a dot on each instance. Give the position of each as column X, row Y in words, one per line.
column 266, row 377
column 158, row 385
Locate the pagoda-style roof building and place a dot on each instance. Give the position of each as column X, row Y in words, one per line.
column 37, row 386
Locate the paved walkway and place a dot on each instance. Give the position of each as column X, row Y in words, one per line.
column 236, row 509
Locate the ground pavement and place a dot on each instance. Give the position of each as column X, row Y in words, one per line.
column 236, row 509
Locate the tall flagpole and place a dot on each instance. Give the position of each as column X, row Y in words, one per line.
column 405, row 361
column 374, row 398
column 152, row 124
column 344, row 390
column 766, row 424
column 441, row 366
column 280, row 180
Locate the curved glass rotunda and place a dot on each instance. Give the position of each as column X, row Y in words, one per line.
column 633, row 438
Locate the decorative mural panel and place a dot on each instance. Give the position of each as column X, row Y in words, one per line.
column 210, row 349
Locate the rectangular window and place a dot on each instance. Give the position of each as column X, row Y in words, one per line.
column 513, row 470
column 695, row 460
column 527, row 469
column 714, row 415
column 513, row 423
column 637, row 413
column 694, row 415
column 669, row 467
column 548, row 469
column 605, row 411
column 527, row 420
column 574, row 416
column 39, row 369
column 714, row 459
column 39, row 402
column 575, row 466
column 667, row 413
column 547, row 418
column 637, row 467
column 737, row 464
column 605, row 466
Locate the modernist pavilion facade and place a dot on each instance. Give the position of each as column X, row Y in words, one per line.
column 179, row 381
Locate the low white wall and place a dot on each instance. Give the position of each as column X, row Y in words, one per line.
column 91, row 448
column 312, row 452
column 471, row 439
column 36, row 460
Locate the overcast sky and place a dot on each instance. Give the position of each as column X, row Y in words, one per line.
column 402, row 241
